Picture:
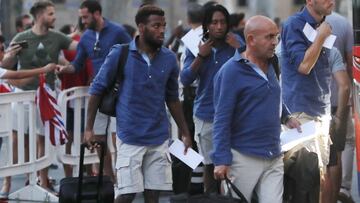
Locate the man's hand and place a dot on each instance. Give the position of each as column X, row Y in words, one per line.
column 12, row 50
column 9, row 59
column 89, row 139
column 324, row 30
column 293, row 123
column 187, row 142
column 205, row 48
column 232, row 40
column 60, row 69
column 221, row 172
column 49, row 67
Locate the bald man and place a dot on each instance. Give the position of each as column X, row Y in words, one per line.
column 246, row 131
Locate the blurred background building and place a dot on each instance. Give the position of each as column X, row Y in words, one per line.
column 123, row 11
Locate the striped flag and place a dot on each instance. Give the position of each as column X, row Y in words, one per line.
column 5, row 87
column 50, row 114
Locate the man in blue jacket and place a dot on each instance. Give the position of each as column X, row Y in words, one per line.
column 95, row 44
column 218, row 47
column 248, row 115
column 142, row 127
column 306, row 77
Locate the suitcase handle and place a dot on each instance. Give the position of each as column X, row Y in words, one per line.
column 81, row 169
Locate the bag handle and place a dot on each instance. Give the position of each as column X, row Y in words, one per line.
column 230, row 186
column 81, row 169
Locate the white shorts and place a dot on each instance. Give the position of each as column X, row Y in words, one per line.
column 101, row 124
column 203, row 137
column 142, row 167
column 113, row 125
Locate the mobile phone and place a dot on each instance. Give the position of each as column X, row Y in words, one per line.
column 24, row 44
column 205, row 36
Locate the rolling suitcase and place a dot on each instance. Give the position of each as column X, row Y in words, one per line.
column 88, row 189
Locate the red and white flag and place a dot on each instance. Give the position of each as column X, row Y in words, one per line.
column 50, row 114
column 5, row 87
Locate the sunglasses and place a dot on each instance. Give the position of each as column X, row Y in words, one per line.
column 97, row 48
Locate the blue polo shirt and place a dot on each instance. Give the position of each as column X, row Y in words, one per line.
column 110, row 35
column 248, row 110
column 141, row 117
column 303, row 93
column 203, row 103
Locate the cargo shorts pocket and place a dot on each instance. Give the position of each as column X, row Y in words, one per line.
column 162, row 170
column 123, row 169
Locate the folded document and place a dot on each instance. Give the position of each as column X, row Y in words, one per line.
column 191, row 158
column 291, row 138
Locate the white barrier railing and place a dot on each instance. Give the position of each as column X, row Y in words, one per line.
column 77, row 97
column 25, row 107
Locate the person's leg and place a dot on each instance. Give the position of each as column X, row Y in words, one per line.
column 43, row 173
column 151, row 196
column 68, row 170
column 334, row 178
column 203, row 136
column 70, row 129
column 7, row 180
column 157, row 172
column 129, row 171
column 347, row 158
column 101, row 125
column 270, row 186
column 329, row 194
column 113, row 136
column 125, row 198
column 245, row 172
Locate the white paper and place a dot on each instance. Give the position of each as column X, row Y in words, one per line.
column 292, row 137
column 192, row 39
column 311, row 33
column 192, row 158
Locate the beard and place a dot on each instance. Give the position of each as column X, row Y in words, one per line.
column 92, row 25
column 149, row 39
column 50, row 25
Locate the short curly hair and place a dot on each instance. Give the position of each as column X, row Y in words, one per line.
column 145, row 11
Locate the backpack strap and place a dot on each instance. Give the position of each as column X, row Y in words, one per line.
column 120, row 69
column 275, row 63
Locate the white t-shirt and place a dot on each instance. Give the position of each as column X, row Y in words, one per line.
column 2, row 72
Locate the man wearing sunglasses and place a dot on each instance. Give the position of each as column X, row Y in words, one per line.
column 95, row 44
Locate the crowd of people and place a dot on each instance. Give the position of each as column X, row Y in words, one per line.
column 233, row 107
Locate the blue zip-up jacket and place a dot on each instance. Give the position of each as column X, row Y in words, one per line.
column 248, row 111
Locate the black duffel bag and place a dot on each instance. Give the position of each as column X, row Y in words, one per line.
column 89, row 189
column 212, row 198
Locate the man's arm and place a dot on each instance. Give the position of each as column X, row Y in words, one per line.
column 73, row 45
column 349, row 64
column 20, row 74
column 192, row 63
column 94, row 102
column 60, row 69
column 9, row 59
column 343, row 83
column 313, row 52
column 176, row 111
